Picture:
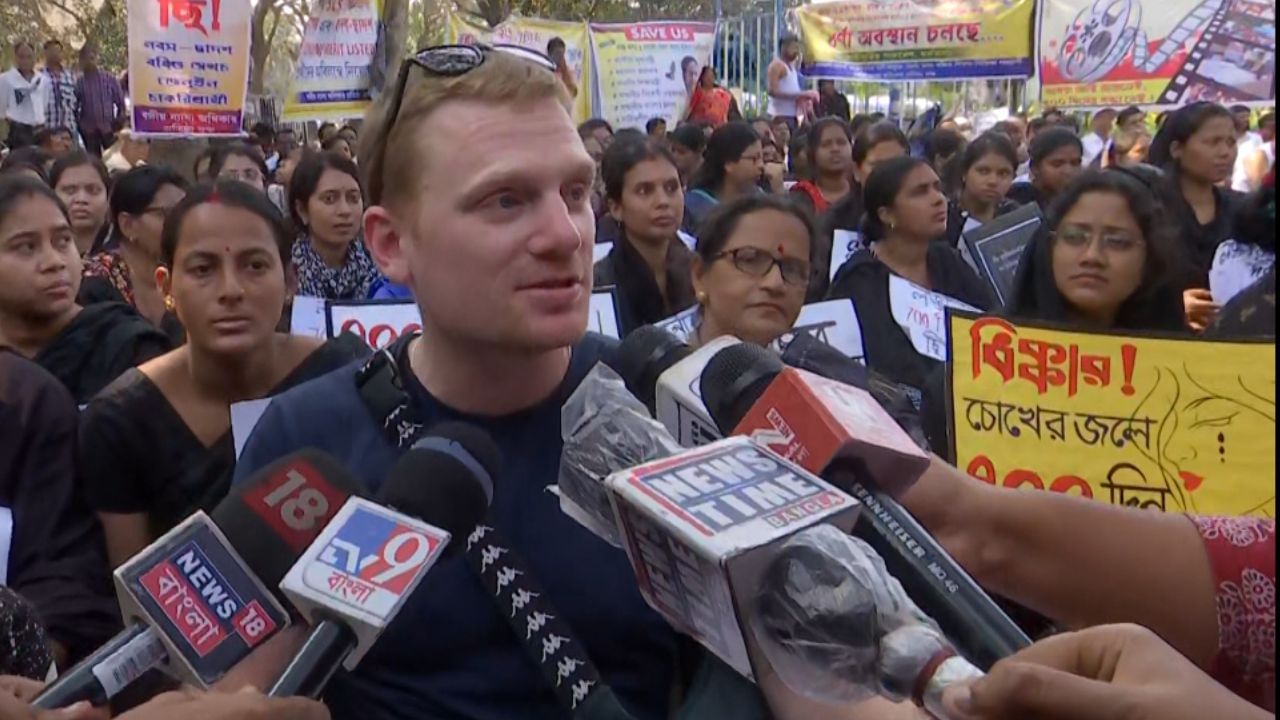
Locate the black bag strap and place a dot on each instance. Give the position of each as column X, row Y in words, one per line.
column 547, row 639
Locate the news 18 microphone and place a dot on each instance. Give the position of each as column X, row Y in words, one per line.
column 200, row 599
column 355, row 577
column 664, row 374
column 842, row 434
column 837, row 627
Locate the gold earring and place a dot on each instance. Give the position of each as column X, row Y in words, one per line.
column 169, row 304
column 702, row 298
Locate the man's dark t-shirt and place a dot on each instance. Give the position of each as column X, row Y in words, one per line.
column 449, row 655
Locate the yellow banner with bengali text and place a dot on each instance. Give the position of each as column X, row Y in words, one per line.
column 900, row 40
column 1178, row 425
column 534, row 34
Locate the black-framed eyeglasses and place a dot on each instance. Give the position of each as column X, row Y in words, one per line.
column 759, row 263
column 450, row 61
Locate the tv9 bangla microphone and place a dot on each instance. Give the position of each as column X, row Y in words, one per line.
column 842, row 434
column 663, row 373
column 200, row 599
column 838, row 628
column 355, row 577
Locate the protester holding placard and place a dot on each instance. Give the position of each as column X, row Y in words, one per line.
column 84, row 347
column 225, row 269
column 81, row 181
column 140, row 201
column 649, row 265
column 830, row 160
column 1057, row 157
column 1196, row 148
column 906, row 213
column 326, row 202
column 732, row 167
column 986, row 172
column 752, row 270
column 877, row 144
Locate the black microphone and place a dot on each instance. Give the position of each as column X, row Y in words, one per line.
column 356, row 576
column 25, row 649
column 749, row 382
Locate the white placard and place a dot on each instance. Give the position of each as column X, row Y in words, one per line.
column 689, row 241
column 843, row 246
column 682, row 325
column 604, row 314
column 600, row 251
column 308, row 317
column 1236, row 266
column 834, row 322
column 6, row 542
column 378, row 324
column 244, row 418
column 922, row 314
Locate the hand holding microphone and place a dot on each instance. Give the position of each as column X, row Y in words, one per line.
column 1113, row 672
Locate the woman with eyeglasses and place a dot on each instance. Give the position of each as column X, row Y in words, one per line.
column 732, row 167
column 906, row 212
column 752, row 270
column 986, row 172
column 240, row 161
column 140, row 201
column 224, row 261
column 82, row 182
column 326, row 201
column 649, row 264
column 85, row 347
column 1106, row 260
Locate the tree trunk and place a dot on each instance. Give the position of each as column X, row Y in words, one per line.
column 260, row 44
column 396, row 20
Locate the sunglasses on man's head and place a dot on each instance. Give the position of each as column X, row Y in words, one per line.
column 450, row 61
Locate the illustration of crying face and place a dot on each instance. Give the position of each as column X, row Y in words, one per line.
column 1215, row 436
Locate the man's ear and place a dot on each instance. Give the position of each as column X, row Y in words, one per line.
column 386, row 244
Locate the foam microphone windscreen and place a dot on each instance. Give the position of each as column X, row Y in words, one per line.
column 645, row 354
column 446, row 480
column 276, row 514
column 24, row 645
column 735, row 379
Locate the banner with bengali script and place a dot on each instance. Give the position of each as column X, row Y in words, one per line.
column 897, row 40
column 1142, row 422
column 188, row 66
column 649, row 69
column 1111, row 53
column 331, row 80
column 534, row 34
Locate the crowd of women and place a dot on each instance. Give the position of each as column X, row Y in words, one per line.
column 117, row 286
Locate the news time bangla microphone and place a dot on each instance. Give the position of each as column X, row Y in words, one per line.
column 201, row 598
column 842, row 434
column 663, row 373
column 354, row 578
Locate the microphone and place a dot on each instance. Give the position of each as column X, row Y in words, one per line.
column 26, row 649
column 199, row 599
column 806, row 352
column 605, row 430
column 664, row 374
column 842, row 434
column 356, row 576
column 838, row 628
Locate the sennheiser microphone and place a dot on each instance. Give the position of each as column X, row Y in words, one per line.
column 355, row 577
column 200, row 599
column 842, row 434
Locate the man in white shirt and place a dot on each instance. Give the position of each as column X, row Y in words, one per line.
column 1096, row 141
column 22, row 97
